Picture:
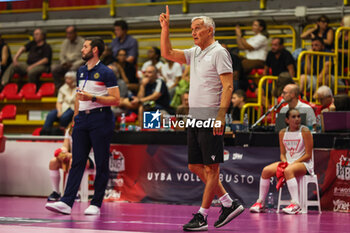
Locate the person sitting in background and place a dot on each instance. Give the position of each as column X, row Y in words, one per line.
column 129, row 70
column 297, row 157
column 255, row 47
column 63, row 160
column 240, row 80
column 238, row 100
column 5, row 56
column 290, row 95
column 107, row 56
column 325, row 96
column 182, row 87
column 154, row 56
column 321, row 30
column 70, row 56
column 320, row 67
column 153, row 93
column 65, row 104
column 182, row 109
column 124, row 41
column 172, row 73
column 279, row 59
column 38, row 60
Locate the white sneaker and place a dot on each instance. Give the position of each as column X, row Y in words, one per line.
column 293, row 208
column 92, row 210
column 59, row 207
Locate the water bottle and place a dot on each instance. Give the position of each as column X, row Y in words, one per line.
column 228, row 120
column 270, row 203
column 122, row 122
column 245, row 123
column 318, row 124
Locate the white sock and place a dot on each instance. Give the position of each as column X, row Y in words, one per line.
column 293, row 190
column 203, row 211
column 263, row 189
column 226, row 200
column 55, row 180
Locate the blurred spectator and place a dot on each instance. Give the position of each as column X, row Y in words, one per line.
column 153, row 55
column 64, row 106
column 291, row 96
column 62, row 160
column 321, row 30
column 284, row 79
column 5, row 56
column 343, row 46
column 124, row 41
column 279, row 59
column 182, row 87
column 38, row 61
column 70, row 56
column 172, row 73
column 129, row 70
column 320, row 66
column 325, row 96
column 240, row 80
column 255, row 47
column 153, row 93
column 183, row 108
column 238, row 100
column 107, row 56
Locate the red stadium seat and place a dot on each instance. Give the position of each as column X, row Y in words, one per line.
column 46, row 89
column 8, row 112
column 28, row 91
column 46, row 75
column 10, row 92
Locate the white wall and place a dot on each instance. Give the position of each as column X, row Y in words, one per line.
column 24, row 168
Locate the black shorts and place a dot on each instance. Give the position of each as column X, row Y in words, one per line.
column 204, row 147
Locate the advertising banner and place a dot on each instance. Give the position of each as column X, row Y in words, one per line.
column 151, row 173
column 336, row 186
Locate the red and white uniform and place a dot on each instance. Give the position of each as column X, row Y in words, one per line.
column 295, row 148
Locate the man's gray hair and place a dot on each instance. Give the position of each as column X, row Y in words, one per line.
column 325, row 91
column 209, row 22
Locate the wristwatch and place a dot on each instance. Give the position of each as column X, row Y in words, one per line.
column 93, row 99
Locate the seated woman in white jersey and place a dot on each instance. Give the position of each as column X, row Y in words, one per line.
column 296, row 148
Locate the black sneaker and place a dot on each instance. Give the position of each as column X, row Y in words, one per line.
column 197, row 223
column 54, row 196
column 229, row 213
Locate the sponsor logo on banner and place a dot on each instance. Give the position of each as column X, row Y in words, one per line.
column 116, row 162
column 190, row 177
column 342, row 192
column 237, row 156
column 226, row 155
column 343, row 168
column 341, row 206
column 119, row 182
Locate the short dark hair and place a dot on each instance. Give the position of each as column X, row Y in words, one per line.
column 97, row 42
column 157, row 52
column 318, row 39
column 122, row 24
column 323, row 18
column 240, row 93
column 280, row 39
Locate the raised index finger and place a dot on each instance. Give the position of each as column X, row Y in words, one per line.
column 167, row 11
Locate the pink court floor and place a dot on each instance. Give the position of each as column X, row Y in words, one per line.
column 28, row 215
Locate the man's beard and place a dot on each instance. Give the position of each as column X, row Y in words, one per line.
column 87, row 56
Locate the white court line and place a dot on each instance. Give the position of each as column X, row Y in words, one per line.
column 25, row 229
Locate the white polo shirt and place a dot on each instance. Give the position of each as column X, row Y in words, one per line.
column 303, row 108
column 206, row 66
